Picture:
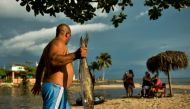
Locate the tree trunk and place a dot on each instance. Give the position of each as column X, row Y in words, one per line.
column 103, row 77
column 169, row 82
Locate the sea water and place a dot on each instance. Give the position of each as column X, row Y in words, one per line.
column 19, row 98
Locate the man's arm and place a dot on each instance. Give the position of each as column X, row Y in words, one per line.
column 39, row 72
column 60, row 59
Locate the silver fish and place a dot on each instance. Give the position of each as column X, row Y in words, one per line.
column 85, row 77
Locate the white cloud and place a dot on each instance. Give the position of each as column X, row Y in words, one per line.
column 35, row 41
column 90, row 28
column 36, row 49
column 141, row 14
column 23, row 42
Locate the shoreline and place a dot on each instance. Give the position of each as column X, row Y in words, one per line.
column 137, row 85
column 107, row 85
column 176, row 81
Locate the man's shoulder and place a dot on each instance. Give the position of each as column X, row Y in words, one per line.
column 57, row 43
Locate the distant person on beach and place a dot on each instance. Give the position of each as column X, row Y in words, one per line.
column 146, row 85
column 58, row 75
column 128, row 82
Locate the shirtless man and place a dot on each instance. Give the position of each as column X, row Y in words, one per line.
column 58, row 74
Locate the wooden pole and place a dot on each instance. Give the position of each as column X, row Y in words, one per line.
column 169, row 82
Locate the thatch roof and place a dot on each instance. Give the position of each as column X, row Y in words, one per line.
column 166, row 61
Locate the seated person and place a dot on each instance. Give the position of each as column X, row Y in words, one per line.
column 157, row 84
column 146, row 85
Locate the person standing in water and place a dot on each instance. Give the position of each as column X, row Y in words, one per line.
column 56, row 62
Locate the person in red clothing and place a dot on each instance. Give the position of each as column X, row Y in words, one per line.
column 157, row 83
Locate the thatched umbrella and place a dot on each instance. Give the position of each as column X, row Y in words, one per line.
column 167, row 61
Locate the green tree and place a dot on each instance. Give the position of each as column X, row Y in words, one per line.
column 93, row 66
column 104, row 61
column 2, row 72
column 29, row 70
column 83, row 10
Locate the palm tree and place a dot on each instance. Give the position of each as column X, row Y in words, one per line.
column 94, row 66
column 104, row 61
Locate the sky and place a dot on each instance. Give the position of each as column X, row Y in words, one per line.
column 23, row 37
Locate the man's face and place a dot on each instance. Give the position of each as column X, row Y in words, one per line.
column 68, row 36
column 66, row 32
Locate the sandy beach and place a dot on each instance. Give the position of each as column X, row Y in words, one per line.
column 178, row 101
